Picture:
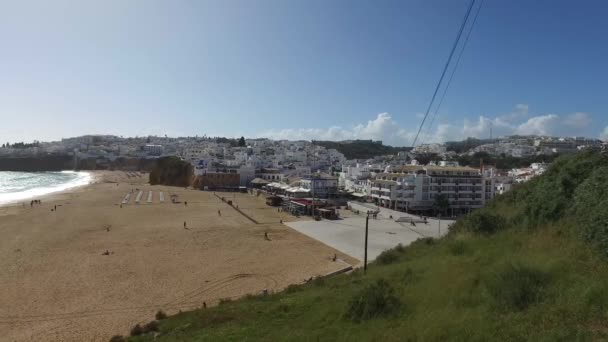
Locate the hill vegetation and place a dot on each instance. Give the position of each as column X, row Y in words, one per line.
column 171, row 171
column 530, row 266
column 467, row 144
column 361, row 149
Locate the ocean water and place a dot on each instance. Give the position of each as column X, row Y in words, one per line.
column 24, row 186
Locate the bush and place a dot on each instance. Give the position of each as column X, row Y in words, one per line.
column 457, row 247
column 118, row 338
column 429, row 241
column 589, row 206
column 293, row 288
column 518, row 286
column 482, row 222
column 400, row 248
column 160, row 315
column 596, row 298
column 137, row 330
column 225, row 301
column 152, row 326
column 408, row 275
column 319, row 281
column 373, row 301
column 388, row 256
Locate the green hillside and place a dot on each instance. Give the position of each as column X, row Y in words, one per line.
column 531, row 266
column 361, row 149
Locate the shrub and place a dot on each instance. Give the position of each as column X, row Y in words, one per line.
column 400, row 248
column 137, row 330
column 518, row 286
column 160, row 315
column 423, row 241
column 388, row 256
column 118, row 338
column 484, row 222
column 589, row 209
column 152, row 326
column 293, row 288
column 373, row 301
column 457, row 247
column 596, row 298
column 225, row 301
column 319, row 281
column 408, row 275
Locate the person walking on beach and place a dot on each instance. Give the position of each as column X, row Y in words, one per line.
column 219, row 213
column 184, row 224
column 186, row 203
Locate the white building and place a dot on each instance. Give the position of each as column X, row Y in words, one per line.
column 414, row 188
column 320, row 186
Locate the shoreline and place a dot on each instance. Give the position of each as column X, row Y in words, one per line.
column 92, row 178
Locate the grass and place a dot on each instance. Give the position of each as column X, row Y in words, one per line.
column 492, row 291
column 525, row 268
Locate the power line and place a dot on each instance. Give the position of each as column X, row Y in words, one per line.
column 445, row 68
column 445, row 90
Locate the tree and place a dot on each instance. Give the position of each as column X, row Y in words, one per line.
column 425, row 158
column 242, row 142
column 442, row 204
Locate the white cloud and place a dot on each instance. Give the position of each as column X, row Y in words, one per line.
column 481, row 127
column 519, row 112
column 385, row 128
column 604, row 134
column 577, row 120
column 539, row 125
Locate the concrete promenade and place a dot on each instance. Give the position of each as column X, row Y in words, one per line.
column 348, row 234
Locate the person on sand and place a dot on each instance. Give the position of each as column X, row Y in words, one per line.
column 266, row 236
column 55, row 207
column 219, row 213
column 204, row 305
column 186, row 203
column 184, row 224
column 335, row 257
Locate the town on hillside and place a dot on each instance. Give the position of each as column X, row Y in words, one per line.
column 303, row 177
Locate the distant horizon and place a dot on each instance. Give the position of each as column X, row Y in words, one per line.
column 291, row 140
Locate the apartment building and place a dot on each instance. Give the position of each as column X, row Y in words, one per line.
column 320, row 186
column 415, row 188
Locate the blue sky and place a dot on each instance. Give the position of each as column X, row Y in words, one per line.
column 314, row 69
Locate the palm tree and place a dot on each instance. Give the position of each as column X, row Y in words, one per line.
column 442, row 204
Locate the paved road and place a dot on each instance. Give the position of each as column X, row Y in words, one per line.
column 348, row 234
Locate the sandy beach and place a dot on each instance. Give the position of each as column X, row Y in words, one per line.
column 56, row 284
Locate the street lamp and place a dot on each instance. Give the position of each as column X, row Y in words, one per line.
column 365, row 247
column 439, row 227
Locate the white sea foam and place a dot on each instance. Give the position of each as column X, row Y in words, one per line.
column 20, row 186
